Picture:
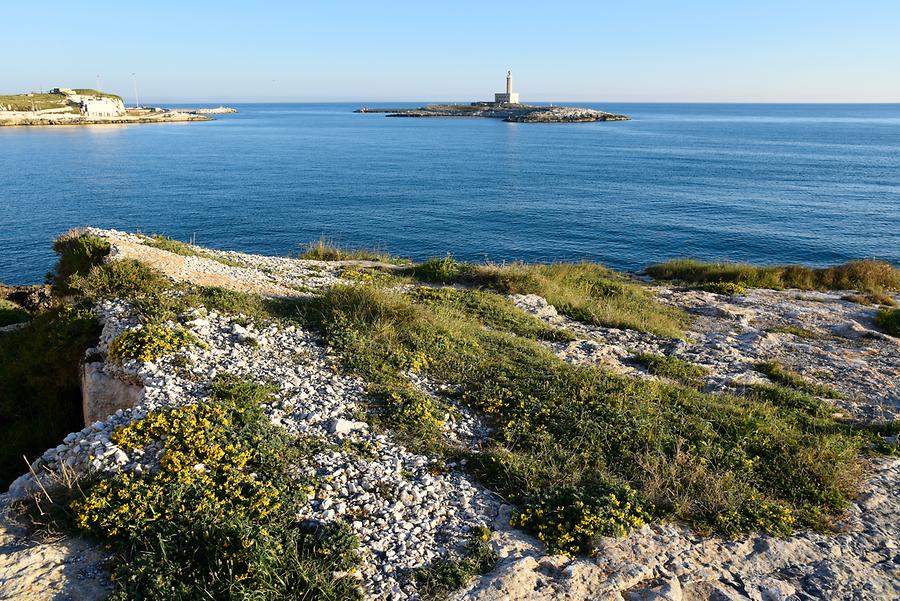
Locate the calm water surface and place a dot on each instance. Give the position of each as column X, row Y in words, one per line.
column 765, row 183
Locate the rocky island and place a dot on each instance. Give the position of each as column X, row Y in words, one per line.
column 67, row 106
column 349, row 425
column 506, row 106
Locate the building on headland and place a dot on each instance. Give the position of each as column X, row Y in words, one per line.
column 93, row 105
column 509, row 97
column 101, row 107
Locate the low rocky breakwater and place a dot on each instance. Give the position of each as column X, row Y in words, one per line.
column 410, row 509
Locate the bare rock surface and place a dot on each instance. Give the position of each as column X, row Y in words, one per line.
column 34, row 569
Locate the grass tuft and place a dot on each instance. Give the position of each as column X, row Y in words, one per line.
column 724, row 288
column 889, row 321
column 782, row 375
column 187, row 250
column 324, row 249
column 583, row 291
column 867, row 275
column 78, row 254
column 673, row 369
column 444, row 576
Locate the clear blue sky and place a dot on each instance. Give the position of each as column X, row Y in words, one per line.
column 644, row 50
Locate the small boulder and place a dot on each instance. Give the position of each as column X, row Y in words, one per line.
column 346, row 426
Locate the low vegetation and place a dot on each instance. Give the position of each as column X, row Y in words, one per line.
column 187, row 250
column 889, row 321
column 673, row 368
column 871, row 298
column 225, row 530
column 78, row 254
column 568, row 439
column 583, row 291
column 35, row 101
column 92, row 92
column 867, row 275
column 40, row 396
column 782, row 375
column 444, row 576
column 325, row 250
column 11, row 313
column 724, row 288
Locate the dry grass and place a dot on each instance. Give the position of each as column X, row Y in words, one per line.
column 324, row 249
column 867, row 275
column 586, row 292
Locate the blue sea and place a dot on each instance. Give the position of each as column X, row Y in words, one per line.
column 815, row 184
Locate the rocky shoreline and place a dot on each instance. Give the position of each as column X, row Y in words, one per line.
column 408, row 514
column 21, row 119
column 518, row 113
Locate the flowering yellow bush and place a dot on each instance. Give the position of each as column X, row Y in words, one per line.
column 199, row 467
column 150, row 342
column 769, row 515
column 414, row 407
column 567, row 521
column 217, row 518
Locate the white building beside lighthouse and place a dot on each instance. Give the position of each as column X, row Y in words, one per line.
column 509, row 97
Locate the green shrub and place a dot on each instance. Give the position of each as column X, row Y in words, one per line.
column 374, row 277
column 225, row 530
column 889, row 321
column 569, row 520
column 149, row 342
column 78, row 254
column 867, row 275
column 673, row 368
column 40, row 396
column 871, row 298
column 125, row 279
column 724, row 288
column 11, row 313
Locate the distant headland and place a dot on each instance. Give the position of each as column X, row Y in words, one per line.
column 506, row 106
column 81, row 106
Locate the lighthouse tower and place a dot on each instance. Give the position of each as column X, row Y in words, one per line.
column 509, row 97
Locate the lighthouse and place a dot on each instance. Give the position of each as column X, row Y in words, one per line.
column 509, row 97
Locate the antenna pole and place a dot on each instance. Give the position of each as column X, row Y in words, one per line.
column 137, row 103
